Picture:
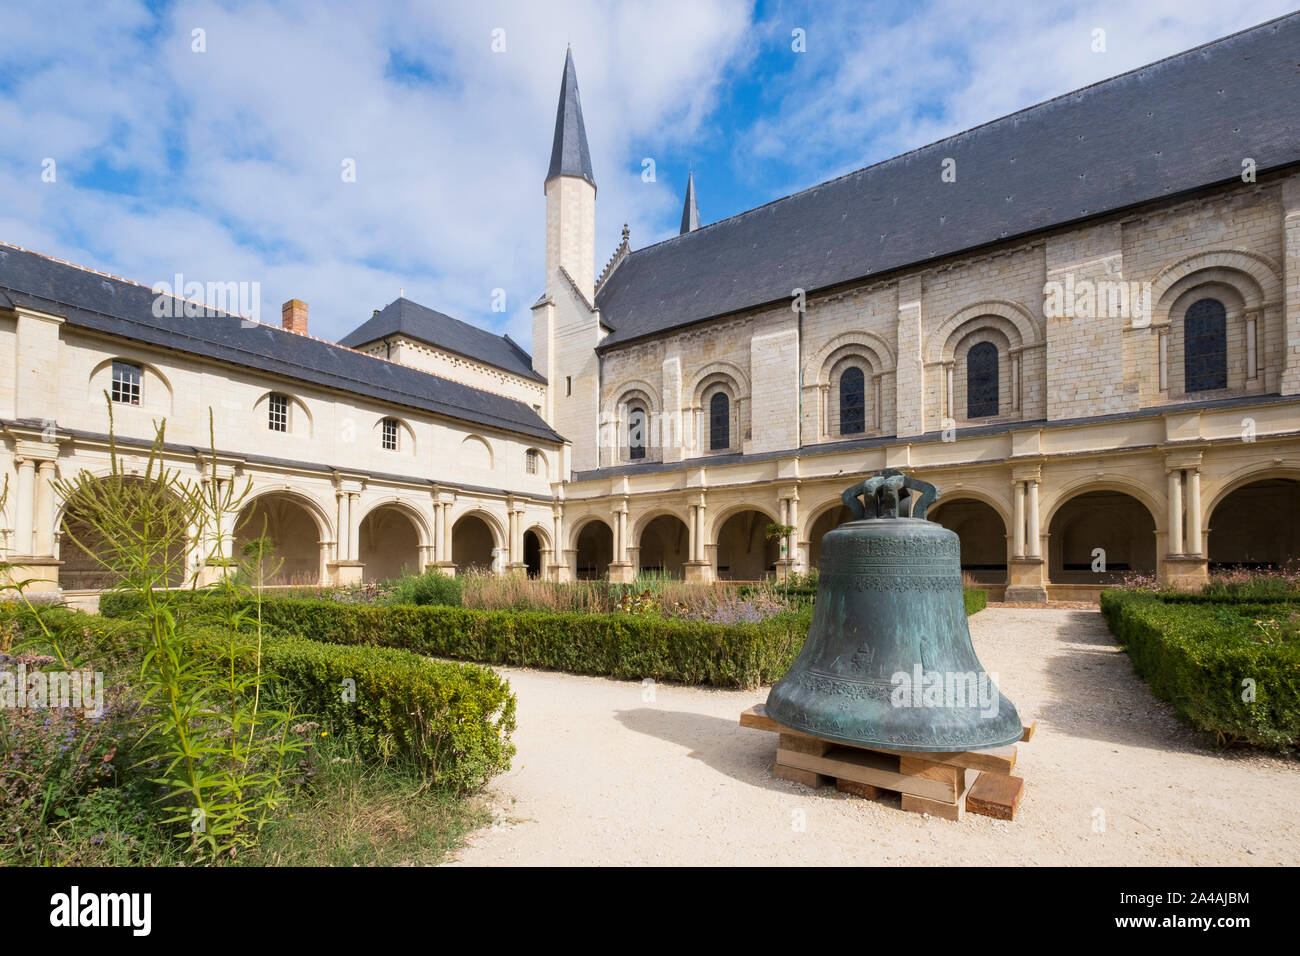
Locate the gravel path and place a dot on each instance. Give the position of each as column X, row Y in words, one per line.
column 605, row 777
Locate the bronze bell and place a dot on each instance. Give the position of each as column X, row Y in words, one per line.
column 888, row 662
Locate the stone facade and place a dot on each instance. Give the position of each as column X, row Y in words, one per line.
column 1090, row 402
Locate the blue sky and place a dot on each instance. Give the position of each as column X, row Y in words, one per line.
column 225, row 165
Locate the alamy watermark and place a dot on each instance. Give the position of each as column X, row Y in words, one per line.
column 932, row 689
column 196, row 300
column 1098, row 299
column 41, row 689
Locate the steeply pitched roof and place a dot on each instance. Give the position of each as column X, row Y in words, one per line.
column 99, row 303
column 415, row 321
column 690, row 211
column 569, row 153
column 1181, row 124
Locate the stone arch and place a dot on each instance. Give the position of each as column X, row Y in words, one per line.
column 405, row 435
column 296, row 524
column 543, row 462
column 593, row 547
column 734, row 375
column 393, row 537
column 1100, row 516
column 1264, row 274
column 532, row 556
column 742, row 551
column 865, row 352
column 301, row 423
column 80, row 544
column 476, row 541
column 1015, row 321
column 663, row 543
column 632, row 394
column 818, row 522
column 1245, row 285
column 101, row 381
column 476, row 453
column 980, row 523
column 1253, row 520
column 867, row 344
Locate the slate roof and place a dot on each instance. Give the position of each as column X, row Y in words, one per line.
column 415, row 321
column 99, row 303
column 569, row 153
column 1177, row 125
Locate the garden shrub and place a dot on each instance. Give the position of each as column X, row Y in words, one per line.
column 622, row 645
column 1202, row 656
column 454, row 721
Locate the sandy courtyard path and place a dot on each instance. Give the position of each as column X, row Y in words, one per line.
column 1112, row 777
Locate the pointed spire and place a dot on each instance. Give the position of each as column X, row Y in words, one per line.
column 569, row 153
column 690, row 211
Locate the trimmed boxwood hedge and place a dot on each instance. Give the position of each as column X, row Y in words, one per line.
column 452, row 720
column 1197, row 655
column 627, row 646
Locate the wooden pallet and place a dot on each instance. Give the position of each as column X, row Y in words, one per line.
column 943, row 785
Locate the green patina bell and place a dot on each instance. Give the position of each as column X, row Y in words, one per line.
column 888, row 662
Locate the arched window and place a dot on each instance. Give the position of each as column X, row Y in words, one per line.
column 719, row 422
column 531, row 458
column 127, row 377
column 277, row 412
column 982, row 380
column 853, row 402
column 1205, row 346
column 636, row 428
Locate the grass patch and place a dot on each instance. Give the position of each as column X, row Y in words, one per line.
column 359, row 813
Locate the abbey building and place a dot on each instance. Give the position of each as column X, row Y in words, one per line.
column 1081, row 322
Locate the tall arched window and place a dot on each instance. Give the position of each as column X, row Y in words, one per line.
column 719, row 422
column 636, row 437
column 982, row 380
column 853, row 402
column 1205, row 346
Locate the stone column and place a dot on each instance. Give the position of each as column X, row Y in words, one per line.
column 795, row 563
column 354, row 526
column 25, row 506
column 1018, row 532
column 1194, row 544
column 692, row 546
column 44, row 511
column 341, row 526
column 1174, row 543
column 447, row 537
column 438, row 555
column 1035, row 535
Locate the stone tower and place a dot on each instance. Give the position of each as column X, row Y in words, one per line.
column 566, row 326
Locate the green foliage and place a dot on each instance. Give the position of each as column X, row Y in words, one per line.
column 451, row 721
column 975, row 600
column 1208, row 659
column 431, row 587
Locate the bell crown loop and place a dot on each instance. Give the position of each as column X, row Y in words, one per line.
column 887, row 493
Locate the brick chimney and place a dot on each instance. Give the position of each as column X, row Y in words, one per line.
column 293, row 316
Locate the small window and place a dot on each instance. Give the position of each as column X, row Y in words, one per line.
column 277, row 413
column 126, row 383
column 568, row 385
column 389, row 434
column 530, row 461
column 982, row 380
column 636, row 434
column 853, row 402
column 719, row 422
column 1205, row 346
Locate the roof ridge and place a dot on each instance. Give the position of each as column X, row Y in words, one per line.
column 979, row 126
column 233, row 315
